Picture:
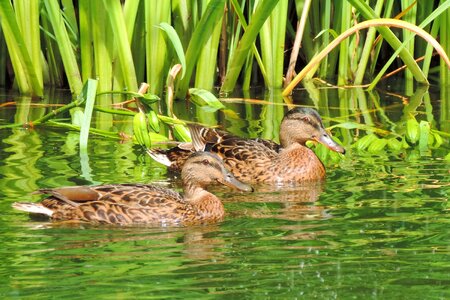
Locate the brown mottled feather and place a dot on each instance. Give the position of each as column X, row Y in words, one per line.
column 259, row 160
column 142, row 203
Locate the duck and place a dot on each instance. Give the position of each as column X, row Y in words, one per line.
column 259, row 160
column 132, row 204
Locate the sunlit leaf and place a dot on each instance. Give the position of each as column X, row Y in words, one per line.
column 394, row 144
column 181, row 133
column 377, row 145
column 204, row 98
column 177, row 45
column 365, row 141
column 153, row 120
column 424, row 135
column 412, row 130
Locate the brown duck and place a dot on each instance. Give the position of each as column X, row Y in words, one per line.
column 258, row 160
column 141, row 203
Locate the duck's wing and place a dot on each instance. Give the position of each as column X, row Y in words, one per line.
column 117, row 204
column 202, row 137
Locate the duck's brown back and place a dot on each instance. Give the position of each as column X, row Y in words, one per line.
column 125, row 204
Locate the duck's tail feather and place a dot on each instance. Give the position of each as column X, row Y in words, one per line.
column 159, row 156
column 33, row 208
column 198, row 140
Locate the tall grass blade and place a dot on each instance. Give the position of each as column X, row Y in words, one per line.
column 203, row 30
column 176, row 43
column 122, row 42
column 65, row 46
column 89, row 94
column 26, row 76
column 260, row 16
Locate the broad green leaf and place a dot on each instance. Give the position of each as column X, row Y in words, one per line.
column 205, row 98
column 412, row 130
column 365, row 141
column 181, row 133
column 153, row 120
column 377, row 145
column 394, row 144
column 176, row 43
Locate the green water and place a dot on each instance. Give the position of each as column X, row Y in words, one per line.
column 378, row 227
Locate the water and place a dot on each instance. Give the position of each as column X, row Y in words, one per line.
column 377, row 228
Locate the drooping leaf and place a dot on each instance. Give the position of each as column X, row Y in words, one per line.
column 204, row 98
column 176, row 43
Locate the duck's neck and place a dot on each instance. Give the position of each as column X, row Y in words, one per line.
column 208, row 206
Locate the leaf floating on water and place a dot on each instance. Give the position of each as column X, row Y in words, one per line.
column 424, row 127
column 394, row 144
column 365, row 141
column 377, row 145
column 205, row 98
column 412, row 130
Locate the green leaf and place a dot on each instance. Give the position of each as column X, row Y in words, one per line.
column 377, row 145
column 77, row 115
column 205, row 98
column 365, row 141
column 176, row 43
column 153, row 120
column 412, row 130
column 424, row 127
column 394, row 144
column 89, row 93
column 203, row 30
column 437, row 139
column 181, row 133
column 447, row 157
column 140, row 128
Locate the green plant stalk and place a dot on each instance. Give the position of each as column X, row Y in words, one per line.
column 20, row 58
column 438, row 11
column 365, row 24
column 344, row 47
column 156, row 12
column 387, row 12
column 445, row 41
column 261, row 14
column 65, row 47
column 326, row 24
column 367, row 12
column 243, row 24
column 410, row 17
column 103, row 133
column 207, row 62
column 122, row 43
column 102, row 54
column 203, row 30
column 53, row 66
column 368, row 45
column 27, row 13
column 86, row 59
column 429, row 48
column 280, row 35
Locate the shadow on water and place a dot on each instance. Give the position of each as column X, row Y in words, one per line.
column 377, row 227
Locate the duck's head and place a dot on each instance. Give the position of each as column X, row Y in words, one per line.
column 205, row 168
column 304, row 124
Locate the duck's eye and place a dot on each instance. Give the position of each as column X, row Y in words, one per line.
column 205, row 162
